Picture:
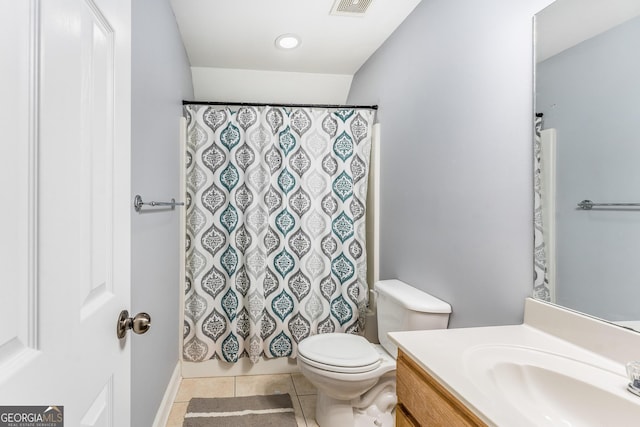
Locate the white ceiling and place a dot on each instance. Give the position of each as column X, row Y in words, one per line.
column 241, row 33
column 565, row 23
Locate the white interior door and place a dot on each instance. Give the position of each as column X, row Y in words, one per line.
column 65, row 213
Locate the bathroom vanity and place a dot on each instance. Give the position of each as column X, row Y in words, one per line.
column 558, row 368
column 423, row 401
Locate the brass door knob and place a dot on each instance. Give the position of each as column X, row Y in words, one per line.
column 139, row 324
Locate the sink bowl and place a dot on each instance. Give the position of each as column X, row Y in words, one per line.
column 553, row 390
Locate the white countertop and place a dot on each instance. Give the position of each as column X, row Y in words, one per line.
column 445, row 354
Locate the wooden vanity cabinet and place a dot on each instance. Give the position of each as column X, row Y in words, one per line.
column 423, row 402
column 403, row 419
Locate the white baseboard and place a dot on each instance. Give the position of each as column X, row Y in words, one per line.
column 167, row 400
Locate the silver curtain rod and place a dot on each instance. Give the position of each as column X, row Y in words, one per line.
column 588, row 204
column 258, row 104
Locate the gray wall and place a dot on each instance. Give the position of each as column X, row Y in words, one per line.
column 161, row 78
column 590, row 94
column 454, row 85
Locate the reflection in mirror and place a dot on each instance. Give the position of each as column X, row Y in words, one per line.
column 588, row 148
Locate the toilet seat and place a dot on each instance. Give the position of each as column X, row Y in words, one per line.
column 339, row 352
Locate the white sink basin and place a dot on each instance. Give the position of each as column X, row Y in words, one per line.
column 552, row 390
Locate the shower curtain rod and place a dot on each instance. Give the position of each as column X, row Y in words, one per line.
column 259, row 104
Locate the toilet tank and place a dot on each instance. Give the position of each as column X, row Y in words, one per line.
column 402, row 307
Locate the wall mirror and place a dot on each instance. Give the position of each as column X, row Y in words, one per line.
column 587, row 90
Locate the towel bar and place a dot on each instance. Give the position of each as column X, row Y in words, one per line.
column 138, row 203
column 588, row 204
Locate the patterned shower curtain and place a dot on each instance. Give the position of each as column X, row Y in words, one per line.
column 275, row 228
column 540, row 280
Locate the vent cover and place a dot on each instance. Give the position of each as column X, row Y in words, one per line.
column 350, row 7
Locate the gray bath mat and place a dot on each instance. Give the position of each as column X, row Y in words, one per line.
column 274, row 410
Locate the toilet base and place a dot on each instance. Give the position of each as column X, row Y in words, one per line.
column 333, row 412
column 375, row 408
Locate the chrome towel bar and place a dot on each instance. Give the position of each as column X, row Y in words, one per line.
column 588, row 204
column 138, row 203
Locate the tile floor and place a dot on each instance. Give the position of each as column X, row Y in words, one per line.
column 303, row 394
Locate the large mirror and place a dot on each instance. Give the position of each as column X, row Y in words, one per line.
column 587, row 78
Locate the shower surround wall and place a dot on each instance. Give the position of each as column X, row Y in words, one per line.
column 454, row 85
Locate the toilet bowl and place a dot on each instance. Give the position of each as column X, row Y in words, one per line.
column 356, row 379
column 351, row 391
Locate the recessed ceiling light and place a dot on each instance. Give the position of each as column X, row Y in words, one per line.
column 287, row 41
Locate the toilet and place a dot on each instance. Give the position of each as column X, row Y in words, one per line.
column 356, row 380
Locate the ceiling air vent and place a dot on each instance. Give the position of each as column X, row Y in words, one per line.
column 350, row 7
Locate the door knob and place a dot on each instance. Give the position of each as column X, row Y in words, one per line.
column 139, row 324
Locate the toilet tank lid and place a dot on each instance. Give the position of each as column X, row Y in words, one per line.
column 411, row 298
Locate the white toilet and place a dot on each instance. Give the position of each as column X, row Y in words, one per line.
column 356, row 380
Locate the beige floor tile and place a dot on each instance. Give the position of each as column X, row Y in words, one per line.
column 308, row 404
column 205, row 387
column 302, row 385
column 176, row 416
column 298, row 411
column 251, row 385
